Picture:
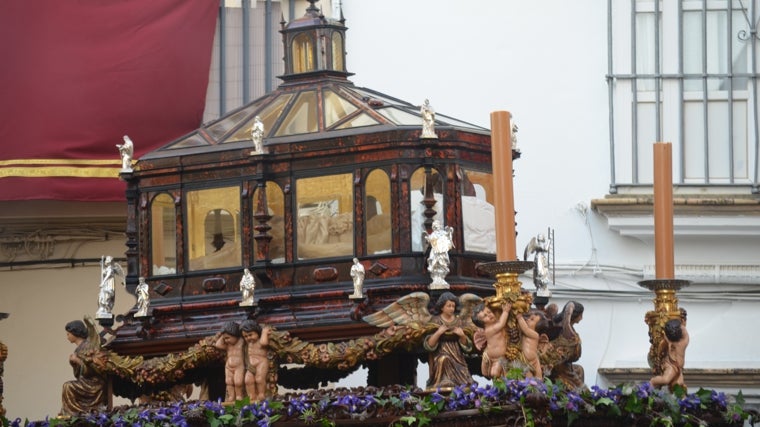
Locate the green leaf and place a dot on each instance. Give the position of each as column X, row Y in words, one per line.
column 214, row 422
column 409, row 420
column 423, row 420
column 606, row 401
column 571, row 417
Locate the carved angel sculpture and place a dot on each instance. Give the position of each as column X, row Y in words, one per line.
column 87, row 391
column 562, row 348
column 446, row 333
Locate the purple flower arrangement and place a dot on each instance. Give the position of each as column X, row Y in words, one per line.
column 629, row 404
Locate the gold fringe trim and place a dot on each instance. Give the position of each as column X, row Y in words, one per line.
column 46, row 168
column 59, row 162
column 59, row 171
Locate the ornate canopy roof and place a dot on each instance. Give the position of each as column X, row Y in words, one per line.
column 315, row 101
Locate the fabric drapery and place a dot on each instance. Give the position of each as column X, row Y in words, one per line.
column 78, row 76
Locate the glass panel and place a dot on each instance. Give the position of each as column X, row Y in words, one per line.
column 302, row 117
column 213, row 218
column 163, row 231
column 645, row 48
column 336, row 108
column 387, row 99
column 337, row 52
column 455, row 122
column 417, row 184
column 362, row 119
column 478, row 215
column 692, row 49
column 217, row 130
column 276, row 205
column 377, row 208
column 303, row 54
column 325, row 216
column 268, row 116
column 193, row 140
column 400, row 117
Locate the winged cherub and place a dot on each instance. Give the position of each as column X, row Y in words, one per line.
column 447, row 336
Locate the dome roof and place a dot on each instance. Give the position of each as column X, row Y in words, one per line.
column 320, row 108
column 315, row 101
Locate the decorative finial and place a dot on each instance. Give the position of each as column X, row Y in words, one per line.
column 312, row 7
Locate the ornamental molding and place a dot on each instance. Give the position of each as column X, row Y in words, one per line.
column 725, row 216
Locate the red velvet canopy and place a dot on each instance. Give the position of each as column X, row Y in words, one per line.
column 79, row 75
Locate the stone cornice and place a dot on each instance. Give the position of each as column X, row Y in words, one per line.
column 632, row 215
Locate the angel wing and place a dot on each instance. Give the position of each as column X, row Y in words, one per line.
column 468, row 302
column 408, row 309
column 93, row 337
column 532, row 246
column 117, row 269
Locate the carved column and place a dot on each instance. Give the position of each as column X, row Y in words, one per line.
column 133, row 260
column 262, row 217
column 429, row 199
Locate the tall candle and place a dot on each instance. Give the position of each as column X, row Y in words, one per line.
column 504, row 198
column 663, row 210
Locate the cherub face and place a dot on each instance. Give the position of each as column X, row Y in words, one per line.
column 486, row 316
column 229, row 339
column 251, row 336
column 532, row 319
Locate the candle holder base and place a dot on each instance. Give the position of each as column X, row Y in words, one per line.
column 505, row 273
column 665, row 309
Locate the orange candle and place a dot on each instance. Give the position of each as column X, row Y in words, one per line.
column 504, row 198
column 663, row 210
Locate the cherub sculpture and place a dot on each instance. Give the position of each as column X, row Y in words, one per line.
column 109, row 271
column 127, row 151
column 256, row 346
column 230, row 340
column 539, row 247
column 672, row 352
column 446, row 333
column 87, row 391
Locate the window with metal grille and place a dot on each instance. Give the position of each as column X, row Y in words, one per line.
column 684, row 72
